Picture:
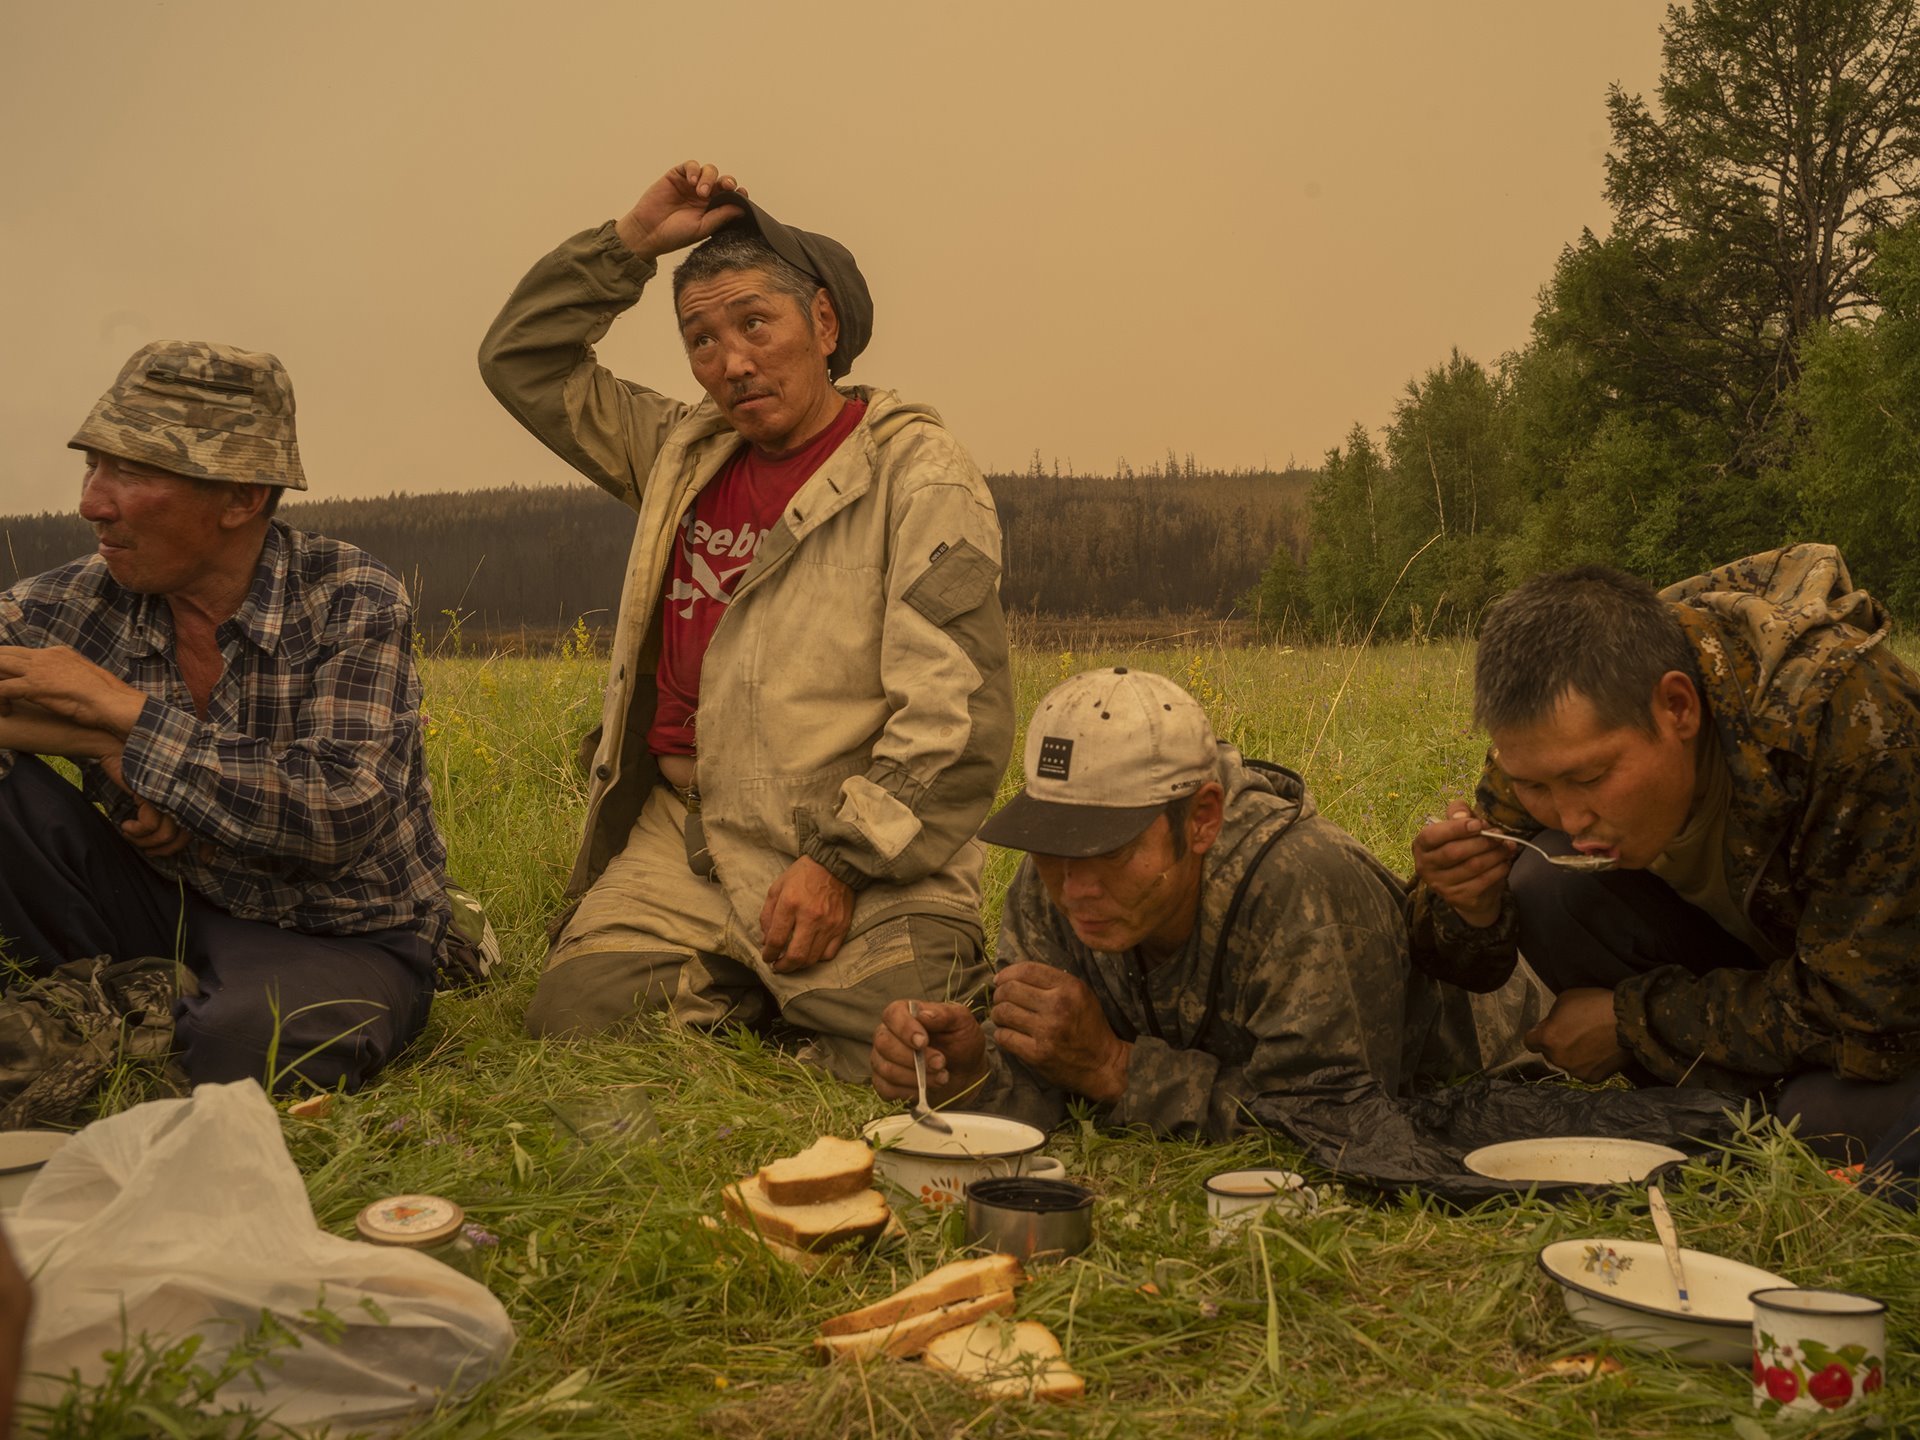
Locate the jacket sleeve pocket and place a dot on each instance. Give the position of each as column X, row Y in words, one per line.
column 960, row 578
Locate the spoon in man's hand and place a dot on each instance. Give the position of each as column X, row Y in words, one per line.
column 1589, row 863
column 923, row 1113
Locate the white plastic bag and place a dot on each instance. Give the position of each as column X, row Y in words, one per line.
column 185, row 1215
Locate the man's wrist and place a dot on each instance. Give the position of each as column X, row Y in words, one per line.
column 123, row 713
column 633, row 237
column 1113, row 1076
column 1481, row 916
column 834, row 863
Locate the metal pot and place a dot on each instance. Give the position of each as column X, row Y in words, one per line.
column 935, row 1169
column 1028, row 1218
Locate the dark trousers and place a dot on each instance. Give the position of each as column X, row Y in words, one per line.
column 1597, row 929
column 273, row 1005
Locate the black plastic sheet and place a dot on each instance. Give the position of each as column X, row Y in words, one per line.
column 1892, row 1171
column 1373, row 1139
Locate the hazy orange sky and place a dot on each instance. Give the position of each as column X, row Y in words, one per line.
column 1092, row 229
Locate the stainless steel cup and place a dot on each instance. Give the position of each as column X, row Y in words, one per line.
column 1028, row 1218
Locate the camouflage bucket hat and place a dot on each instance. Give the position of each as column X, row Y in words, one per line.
column 208, row 411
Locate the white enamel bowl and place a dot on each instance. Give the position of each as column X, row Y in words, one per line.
column 1624, row 1288
column 22, row 1153
column 1571, row 1160
column 936, row 1169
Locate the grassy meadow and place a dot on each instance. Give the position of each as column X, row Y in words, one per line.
column 1362, row 1320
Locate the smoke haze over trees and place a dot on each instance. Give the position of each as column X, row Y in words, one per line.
column 1169, row 537
column 1736, row 366
column 1733, row 366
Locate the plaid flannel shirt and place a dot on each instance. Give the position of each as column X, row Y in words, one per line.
column 305, row 788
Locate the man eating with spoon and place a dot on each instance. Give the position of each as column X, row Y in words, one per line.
column 1747, row 753
column 1187, row 938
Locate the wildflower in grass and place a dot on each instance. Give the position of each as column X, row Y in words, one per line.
column 396, row 1125
column 479, row 1236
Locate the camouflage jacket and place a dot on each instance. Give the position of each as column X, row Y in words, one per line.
column 1312, row 988
column 1820, row 726
column 856, row 703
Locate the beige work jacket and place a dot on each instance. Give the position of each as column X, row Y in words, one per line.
column 856, row 703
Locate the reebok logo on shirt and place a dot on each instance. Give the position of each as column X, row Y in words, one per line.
column 700, row 546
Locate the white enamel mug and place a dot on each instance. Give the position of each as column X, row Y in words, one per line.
column 1816, row 1350
column 1236, row 1197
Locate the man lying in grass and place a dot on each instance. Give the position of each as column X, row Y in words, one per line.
column 1186, row 935
column 1747, row 752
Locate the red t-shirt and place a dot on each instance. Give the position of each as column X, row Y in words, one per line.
column 717, row 542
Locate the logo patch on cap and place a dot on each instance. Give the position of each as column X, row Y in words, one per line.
column 1056, row 758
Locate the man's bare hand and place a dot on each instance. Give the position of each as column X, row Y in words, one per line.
column 805, row 918
column 673, row 213
column 68, row 686
column 155, row 833
column 1052, row 1023
column 151, row 829
column 954, row 1044
column 28, row 730
column 1579, row 1035
column 1461, row 866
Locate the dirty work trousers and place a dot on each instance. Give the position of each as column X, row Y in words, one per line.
column 327, row 1009
column 651, row 935
column 1597, row 929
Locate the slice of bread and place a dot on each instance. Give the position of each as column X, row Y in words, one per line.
column 962, row 1280
column 849, row 1219
column 911, row 1335
column 826, row 1170
column 813, row 1262
column 1001, row 1357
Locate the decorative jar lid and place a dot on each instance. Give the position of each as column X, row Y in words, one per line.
column 413, row 1220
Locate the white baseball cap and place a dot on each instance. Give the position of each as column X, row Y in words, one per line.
column 1106, row 752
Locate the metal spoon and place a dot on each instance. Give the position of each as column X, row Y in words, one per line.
column 923, row 1113
column 1589, row 863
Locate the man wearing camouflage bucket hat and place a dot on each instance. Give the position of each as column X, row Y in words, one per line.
column 1187, row 937
column 241, row 700
column 814, row 577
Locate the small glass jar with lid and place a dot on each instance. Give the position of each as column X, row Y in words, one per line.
column 431, row 1224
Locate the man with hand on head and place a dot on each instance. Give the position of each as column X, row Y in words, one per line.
column 242, row 703
column 809, row 707
column 1186, row 936
column 1746, row 752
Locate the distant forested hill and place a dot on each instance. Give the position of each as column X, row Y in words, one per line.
column 1158, row 542
column 1168, row 539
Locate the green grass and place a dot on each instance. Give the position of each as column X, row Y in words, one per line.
column 1360, row 1321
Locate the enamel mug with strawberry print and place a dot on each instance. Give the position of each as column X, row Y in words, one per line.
column 1817, row 1350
